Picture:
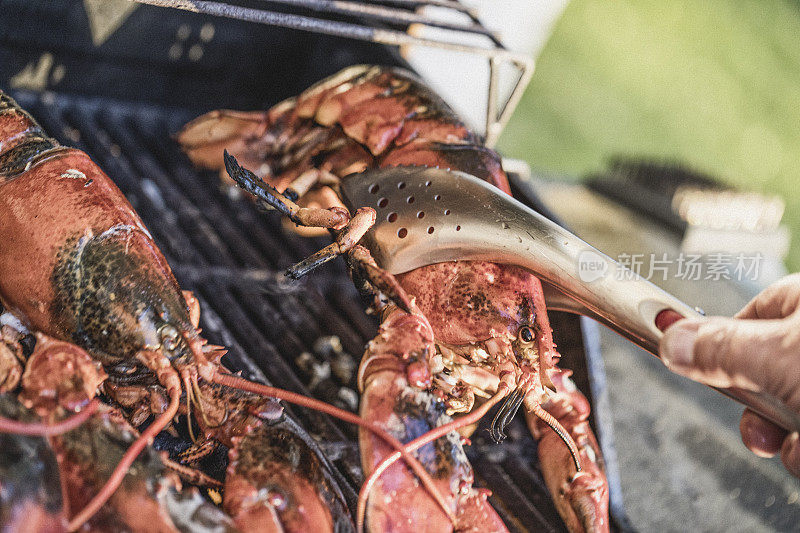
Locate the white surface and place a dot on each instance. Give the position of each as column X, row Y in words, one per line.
column 463, row 80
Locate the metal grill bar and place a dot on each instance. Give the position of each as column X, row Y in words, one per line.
column 460, row 36
column 450, row 4
column 381, row 13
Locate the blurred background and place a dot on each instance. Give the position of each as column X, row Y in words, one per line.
column 714, row 85
column 650, row 103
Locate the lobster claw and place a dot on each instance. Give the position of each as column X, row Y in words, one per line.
column 586, row 495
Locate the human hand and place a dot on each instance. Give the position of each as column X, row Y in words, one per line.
column 759, row 350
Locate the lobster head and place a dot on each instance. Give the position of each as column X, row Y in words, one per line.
column 496, row 309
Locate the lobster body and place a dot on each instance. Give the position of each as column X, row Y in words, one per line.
column 360, row 118
column 79, row 270
column 454, row 333
column 95, row 276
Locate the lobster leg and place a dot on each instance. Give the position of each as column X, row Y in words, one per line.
column 369, row 277
column 580, row 497
column 350, row 230
column 197, row 451
column 307, row 181
column 335, row 218
column 194, row 307
column 359, row 258
column 348, row 237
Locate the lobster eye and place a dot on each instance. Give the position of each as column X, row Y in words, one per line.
column 169, row 337
column 525, row 334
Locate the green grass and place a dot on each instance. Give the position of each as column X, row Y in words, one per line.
column 715, row 84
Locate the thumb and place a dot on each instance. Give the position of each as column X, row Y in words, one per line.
column 726, row 352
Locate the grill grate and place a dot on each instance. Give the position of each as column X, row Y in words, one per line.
column 231, row 256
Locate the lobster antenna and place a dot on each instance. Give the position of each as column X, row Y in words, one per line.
column 39, row 429
column 235, row 382
column 335, row 219
column 125, row 463
column 548, row 419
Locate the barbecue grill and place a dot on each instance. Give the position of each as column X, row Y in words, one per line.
column 117, row 80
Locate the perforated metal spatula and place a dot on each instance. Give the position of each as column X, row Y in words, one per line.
column 428, row 216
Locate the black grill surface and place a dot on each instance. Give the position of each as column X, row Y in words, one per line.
column 232, row 256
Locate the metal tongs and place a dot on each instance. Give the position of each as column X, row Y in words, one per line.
column 432, row 215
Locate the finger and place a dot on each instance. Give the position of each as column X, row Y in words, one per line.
column 725, row 352
column 790, row 454
column 779, row 300
column 761, row 436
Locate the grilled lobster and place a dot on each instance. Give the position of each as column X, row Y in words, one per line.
column 451, row 335
column 92, row 307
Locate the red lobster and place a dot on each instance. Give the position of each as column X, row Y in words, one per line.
column 79, row 269
column 452, row 335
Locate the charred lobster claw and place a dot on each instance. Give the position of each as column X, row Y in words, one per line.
column 506, row 231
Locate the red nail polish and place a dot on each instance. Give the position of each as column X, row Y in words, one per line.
column 666, row 318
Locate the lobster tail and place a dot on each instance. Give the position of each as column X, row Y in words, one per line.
column 205, row 138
